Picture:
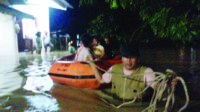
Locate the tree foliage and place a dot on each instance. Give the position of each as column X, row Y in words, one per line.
column 103, row 26
column 177, row 20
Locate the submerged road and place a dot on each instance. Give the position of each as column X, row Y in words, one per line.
column 27, row 87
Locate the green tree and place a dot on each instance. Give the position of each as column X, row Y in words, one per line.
column 103, row 26
column 178, row 20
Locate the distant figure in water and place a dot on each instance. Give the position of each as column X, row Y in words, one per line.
column 72, row 49
column 47, row 41
column 38, row 42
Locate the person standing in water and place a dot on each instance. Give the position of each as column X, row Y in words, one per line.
column 38, row 43
column 47, row 41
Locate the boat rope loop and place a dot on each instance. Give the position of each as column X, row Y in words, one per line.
column 161, row 81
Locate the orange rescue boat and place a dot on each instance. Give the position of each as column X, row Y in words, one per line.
column 78, row 74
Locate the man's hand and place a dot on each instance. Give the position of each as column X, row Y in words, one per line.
column 89, row 59
column 96, row 72
column 174, row 82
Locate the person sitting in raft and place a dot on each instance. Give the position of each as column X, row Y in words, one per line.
column 98, row 48
column 107, row 48
column 139, row 76
column 85, row 49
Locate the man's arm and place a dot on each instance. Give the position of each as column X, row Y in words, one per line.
column 96, row 73
column 105, row 78
column 149, row 78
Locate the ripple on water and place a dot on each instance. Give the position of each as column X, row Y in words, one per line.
column 38, row 79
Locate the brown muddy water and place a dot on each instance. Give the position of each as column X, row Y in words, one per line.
column 28, row 88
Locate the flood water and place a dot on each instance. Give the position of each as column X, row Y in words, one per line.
column 28, row 88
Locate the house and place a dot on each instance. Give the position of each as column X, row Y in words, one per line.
column 12, row 30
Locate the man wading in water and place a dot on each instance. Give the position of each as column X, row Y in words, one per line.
column 127, row 78
column 130, row 80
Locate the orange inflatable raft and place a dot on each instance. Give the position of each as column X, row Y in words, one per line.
column 78, row 74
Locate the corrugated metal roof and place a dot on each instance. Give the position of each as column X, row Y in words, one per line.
column 11, row 11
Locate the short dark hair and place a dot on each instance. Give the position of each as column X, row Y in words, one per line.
column 95, row 37
column 38, row 34
column 86, row 39
column 107, row 37
column 130, row 50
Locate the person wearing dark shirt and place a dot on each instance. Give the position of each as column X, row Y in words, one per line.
column 107, row 49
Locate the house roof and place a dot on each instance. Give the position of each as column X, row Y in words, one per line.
column 12, row 11
column 12, row 2
column 62, row 3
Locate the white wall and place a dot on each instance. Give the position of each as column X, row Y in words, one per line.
column 8, row 42
column 41, row 13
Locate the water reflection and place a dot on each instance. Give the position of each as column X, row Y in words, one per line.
column 9, row 81
column 38, row 81
column 74, row 99
column 30, row 84
column 36, row 73
column 41, row 103
column 9, row 78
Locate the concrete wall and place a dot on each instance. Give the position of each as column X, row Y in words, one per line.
column 8, row 42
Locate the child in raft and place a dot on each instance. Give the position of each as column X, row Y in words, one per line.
column 98, row 49
column 85, row 49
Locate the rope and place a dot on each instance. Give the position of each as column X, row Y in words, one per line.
column 124, row 89
column 186, row 93
column 161, row 82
